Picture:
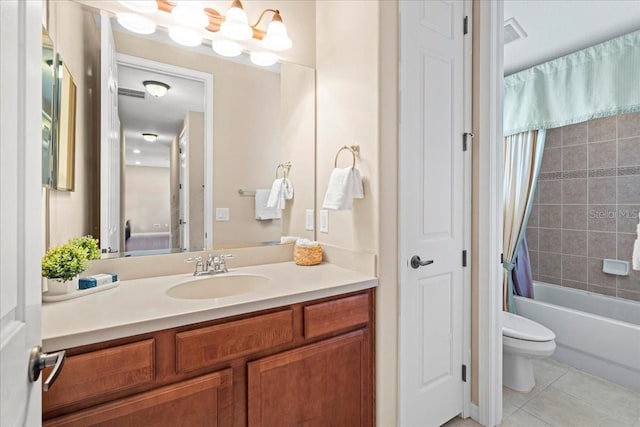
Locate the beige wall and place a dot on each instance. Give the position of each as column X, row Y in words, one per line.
column 194, row 126
column 147, row 198
column 347, row 90
column 77, row 39
column 174, row 194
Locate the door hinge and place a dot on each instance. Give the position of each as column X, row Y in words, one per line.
column 501, row 258
column 465, row 137
column 180, row 186
column 465, row 25
column 464, row 373
column 464, row 258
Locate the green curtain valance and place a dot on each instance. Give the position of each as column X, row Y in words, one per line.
column 599, row 81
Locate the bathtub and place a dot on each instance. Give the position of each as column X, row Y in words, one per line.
column 595, row 333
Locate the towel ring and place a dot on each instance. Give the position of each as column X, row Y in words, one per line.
column 351, row 150
column 286, row 167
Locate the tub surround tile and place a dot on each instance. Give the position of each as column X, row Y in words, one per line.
column 553, row 138
column 533, row 259
column 532, row 238
column 574, row 285
column 551, row 160
column 629, row 189
column 550, row 216
column 534, row 216
column 628, row 125
column 549, row 279
column 602, row 190
column 628, row 218
column 574, row 242
column 629, row 152
column 550, row 265
column 625, row 245
column 602, row 245
column 602, row 218
column 574, row 190
column 550, row 191
column 602, row 129
column 630, row 282
column 574, row 158
column 597, row 277
column 635, row 296
column 602, row 290
column 574, row 134
column 603, row 155
column 574, row 217
column 574, row 268
column 550, row 240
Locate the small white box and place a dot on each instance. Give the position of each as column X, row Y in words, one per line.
column 615, row 266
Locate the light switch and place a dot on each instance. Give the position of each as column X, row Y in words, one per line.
column 324, row 221
column 222, row 214
column 309, row 219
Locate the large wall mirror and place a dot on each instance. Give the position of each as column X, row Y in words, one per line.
column 159, row 174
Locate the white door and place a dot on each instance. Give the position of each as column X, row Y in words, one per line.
column 20, row 208
column 183, row 189
column 109, row 141
column 432, row 211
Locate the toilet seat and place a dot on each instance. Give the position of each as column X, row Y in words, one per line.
column 521, row 328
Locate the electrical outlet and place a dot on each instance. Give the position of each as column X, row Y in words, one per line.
column 222, row 214
column 309, row 219
column 324, row 221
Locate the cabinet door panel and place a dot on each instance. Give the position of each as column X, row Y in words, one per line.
column 323, row 384
column 203, row 401
column 99, row 372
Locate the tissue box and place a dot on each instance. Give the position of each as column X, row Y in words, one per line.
column 307, row 256
column 96, row 280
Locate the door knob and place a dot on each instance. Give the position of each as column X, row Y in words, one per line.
column 416, row 262
column 39, row 360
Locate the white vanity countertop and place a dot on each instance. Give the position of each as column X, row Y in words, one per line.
column 141, row 306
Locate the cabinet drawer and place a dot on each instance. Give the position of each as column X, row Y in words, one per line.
column 103, row 371
column 207, row 346
column 334, row 316
column 203, row 401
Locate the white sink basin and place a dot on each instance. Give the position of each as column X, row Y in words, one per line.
column 224, row 285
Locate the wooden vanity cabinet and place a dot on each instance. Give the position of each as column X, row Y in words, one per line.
column 309, row 363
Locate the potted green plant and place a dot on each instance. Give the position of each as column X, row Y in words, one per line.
column 62, row 264
column 89, row 245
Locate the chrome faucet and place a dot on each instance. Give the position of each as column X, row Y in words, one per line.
column 215, row 264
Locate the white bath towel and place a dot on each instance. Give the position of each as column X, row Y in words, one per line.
column 262, row 211
column 345, row 184
column 635, row 258
column 281, row 190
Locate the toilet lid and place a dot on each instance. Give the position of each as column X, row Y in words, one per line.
column 518, row 327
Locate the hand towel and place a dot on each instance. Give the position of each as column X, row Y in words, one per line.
column 281, row 190
column 635, row 258
column 288, row 239
column 306, row 243
column 262, row 211
column 345, row 184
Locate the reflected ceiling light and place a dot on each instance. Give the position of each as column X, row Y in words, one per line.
column 263, row 58
column 185, row 36
column 136, row 151
column 190, row 13
column 225, row 47
column 236, row 25
column 157, row 89
column 149, row 137
column 140, row 6
column 136, row 23
column 276, row 37
column 138, row 163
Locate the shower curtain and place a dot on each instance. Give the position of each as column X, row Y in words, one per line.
column 522, row 161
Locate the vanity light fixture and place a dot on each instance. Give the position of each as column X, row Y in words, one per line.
column 150, row 137
column 185, row 36
column 225, row 47
column 236, row 24
column 138, row 162
column 276, row 37
column 263, row 58
column 140, row 6
column 190, row 13
column 136, row 23
column 157, row 89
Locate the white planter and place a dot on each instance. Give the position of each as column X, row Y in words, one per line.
column 58, row 287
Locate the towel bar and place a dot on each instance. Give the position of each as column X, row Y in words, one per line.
column 286, row 168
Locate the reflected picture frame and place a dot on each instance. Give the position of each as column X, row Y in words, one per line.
column 64, row 128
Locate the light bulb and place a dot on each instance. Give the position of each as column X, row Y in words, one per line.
column 157, row 89
column 276, row 37
column 185, row 36
column 150, row 137
column 226, row 48
column 235, row 25
column 263, row 58
column 140, row 6
column 191, row 14
column 138, row 162
column 136, row 151
column 136, row 23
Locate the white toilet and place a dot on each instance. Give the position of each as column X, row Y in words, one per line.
column 522, row 340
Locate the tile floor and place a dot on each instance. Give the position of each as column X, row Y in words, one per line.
column 566, row 397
